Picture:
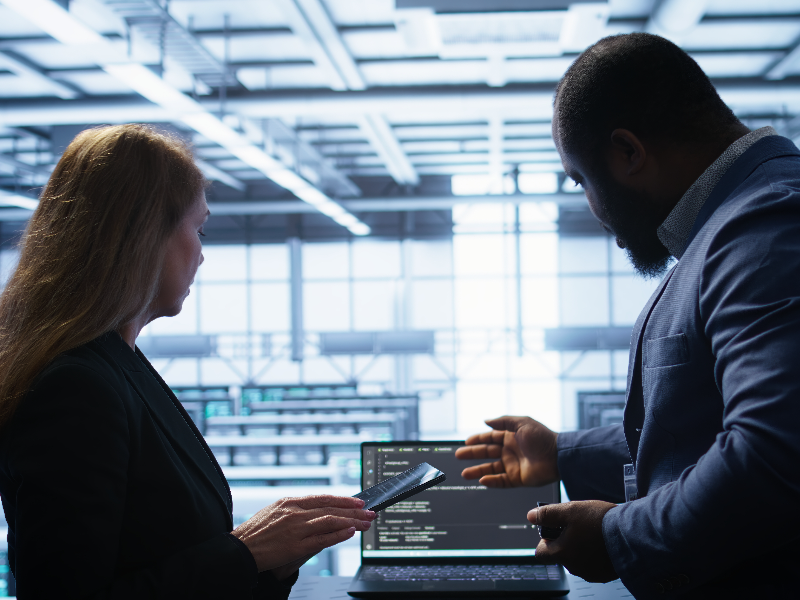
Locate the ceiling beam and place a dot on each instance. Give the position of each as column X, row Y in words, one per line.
column 23, row 67
column 401, row 204
column 672, row 19
column 373, row 124
column 525, row 102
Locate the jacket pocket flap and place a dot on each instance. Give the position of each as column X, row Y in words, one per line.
column 666, row 351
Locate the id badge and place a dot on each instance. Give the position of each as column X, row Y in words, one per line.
column 629, row 477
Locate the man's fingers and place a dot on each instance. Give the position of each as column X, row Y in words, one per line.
column 480, row 451
column 487, row 437
column 478, row 471
column 507, row 423
column 552, row 515
column 545, row 552
column 496, row 481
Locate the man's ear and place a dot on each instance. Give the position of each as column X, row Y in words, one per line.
column 627, row 154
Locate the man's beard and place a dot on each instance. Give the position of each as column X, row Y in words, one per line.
column 635, row 223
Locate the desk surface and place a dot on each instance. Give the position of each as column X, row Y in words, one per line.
column 335, row 588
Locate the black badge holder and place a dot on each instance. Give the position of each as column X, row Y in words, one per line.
column 547, row 533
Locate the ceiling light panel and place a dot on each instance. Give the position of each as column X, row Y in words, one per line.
column 743, row 34
column 55, row 21
column 735, row 64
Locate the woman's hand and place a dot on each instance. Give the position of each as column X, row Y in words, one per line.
column 294, row 529
column 526, row 449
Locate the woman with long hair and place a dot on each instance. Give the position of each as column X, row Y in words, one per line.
column 108, row 488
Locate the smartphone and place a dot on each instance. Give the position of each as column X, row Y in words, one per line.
column 397, row 488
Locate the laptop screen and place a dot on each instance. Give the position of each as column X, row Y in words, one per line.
column 457, row 518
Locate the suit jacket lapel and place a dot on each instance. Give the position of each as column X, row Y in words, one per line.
column 167, row 411
column 633, row 415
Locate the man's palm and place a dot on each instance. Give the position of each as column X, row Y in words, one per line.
column 526, row 450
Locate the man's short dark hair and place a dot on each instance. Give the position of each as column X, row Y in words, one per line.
column 640, row 82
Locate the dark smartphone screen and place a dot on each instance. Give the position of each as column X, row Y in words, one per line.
column 400, row 487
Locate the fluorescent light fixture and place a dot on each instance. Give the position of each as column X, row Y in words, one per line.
column 346, row 220
column 146, row 83
column 17, row 200
column 311, row 195
column 360, row 229
column 330, row 208
column 288, row 179
column 55, row 21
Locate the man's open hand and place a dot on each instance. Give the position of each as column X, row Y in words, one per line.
column 580, row 547
column 526, row 449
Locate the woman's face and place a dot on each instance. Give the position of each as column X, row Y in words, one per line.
column 184, row 254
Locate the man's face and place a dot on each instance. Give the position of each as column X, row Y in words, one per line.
column 630, row 216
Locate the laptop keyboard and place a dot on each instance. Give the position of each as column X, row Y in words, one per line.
column 461, row 573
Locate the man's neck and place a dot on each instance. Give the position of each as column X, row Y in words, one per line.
column 683, row 164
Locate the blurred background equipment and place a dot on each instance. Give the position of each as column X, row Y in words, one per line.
column 394, row 250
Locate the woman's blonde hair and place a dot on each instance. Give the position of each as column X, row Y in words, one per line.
column 91, row 256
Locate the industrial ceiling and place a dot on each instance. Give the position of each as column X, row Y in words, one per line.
column 340, row 118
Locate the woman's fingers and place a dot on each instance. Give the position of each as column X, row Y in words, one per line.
column 326, row 501
column 326, row 540
column 328, row 523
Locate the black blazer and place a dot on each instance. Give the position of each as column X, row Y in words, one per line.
column 110, row 491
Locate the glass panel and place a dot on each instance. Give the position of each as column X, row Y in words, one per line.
column 223, row 263
column 181, row 371
column 431, row 259
column 223, row 308
column 483, row 254
column 374, row 305
column 278, row 371
column 215, row 371
column 376, row 259
column 481, row 303
column 538, row 216
column 539, row 253
column 270, row 307
column 630, row 294
column 326, row 306
column 269, row 261
column 541, row 401
column 583, row 255
column 322, row 370
column 326, row 261
column 8, row 262
column 479, row 401
column 540, row 302
column 621, row 364
column 619, row 259
column 432, row 304
column 584, row 301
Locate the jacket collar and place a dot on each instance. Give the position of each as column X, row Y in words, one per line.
column 167, row 411
column 765, row 149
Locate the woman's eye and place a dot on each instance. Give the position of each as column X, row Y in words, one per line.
column 200, row 232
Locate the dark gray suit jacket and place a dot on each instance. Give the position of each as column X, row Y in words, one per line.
column 712, row 419
column 110, row 491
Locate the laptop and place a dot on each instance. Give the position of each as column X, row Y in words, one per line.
column 457, row 538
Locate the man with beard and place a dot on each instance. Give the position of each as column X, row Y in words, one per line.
column 711, row 437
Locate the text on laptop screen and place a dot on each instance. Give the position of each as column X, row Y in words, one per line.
column 456, row 518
